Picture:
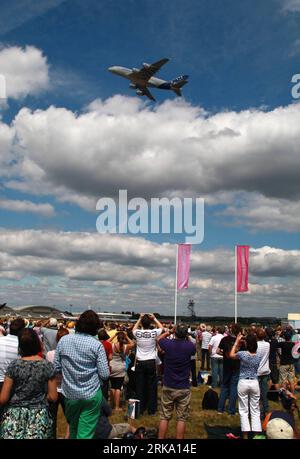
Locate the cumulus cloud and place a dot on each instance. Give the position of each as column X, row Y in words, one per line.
column 117, row 273
column 292, row 6
column 261, row 213
column 6, row 156
column 25, row 71
column 87, row 256
column 14, row 205
column 122, row 143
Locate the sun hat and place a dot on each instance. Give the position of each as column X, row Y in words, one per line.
column 279, row 429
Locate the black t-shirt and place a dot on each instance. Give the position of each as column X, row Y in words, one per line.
column 229, row 365
column 273, row 350
column 286, row 357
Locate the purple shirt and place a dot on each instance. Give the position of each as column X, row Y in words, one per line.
column 177, row 362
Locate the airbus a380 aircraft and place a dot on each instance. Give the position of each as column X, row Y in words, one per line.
column 143, row 78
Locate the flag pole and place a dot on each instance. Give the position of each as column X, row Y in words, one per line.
column 235, row 287
column 175, row 309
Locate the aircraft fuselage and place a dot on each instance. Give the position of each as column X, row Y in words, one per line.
column 131, row 75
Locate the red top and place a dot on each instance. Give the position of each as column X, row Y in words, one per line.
column 107, row 347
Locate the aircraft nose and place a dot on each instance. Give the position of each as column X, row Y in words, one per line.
column 112, row 69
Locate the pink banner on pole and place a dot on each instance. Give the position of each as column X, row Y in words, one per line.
column 183, row 265
column 242, row 268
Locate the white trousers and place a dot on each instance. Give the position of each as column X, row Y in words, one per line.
column 249, row 394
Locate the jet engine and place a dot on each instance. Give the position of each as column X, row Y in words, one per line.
column 146, row 66
column 139, row 92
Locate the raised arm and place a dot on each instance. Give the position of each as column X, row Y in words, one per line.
column 130, row 343
column 138, row 323
column 235, row 347
column 163, row 335
column 156, row 321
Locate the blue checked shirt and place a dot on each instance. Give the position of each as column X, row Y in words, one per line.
column 82, row 361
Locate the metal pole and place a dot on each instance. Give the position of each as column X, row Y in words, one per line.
column 175, row 311
column 235, row 286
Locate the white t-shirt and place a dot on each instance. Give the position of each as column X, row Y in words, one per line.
column 146, row 343
column 9, row 346
column 214, row 343
column 50, row 358
column 205, row 339
column 263, row 349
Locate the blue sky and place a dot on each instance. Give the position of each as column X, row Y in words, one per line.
column 234, row 135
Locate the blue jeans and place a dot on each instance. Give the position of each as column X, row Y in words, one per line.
column 229, row 390
column 263, row 385
column 216, row 372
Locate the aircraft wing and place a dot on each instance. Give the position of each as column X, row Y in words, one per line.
column 147, row 93
column 147, row 71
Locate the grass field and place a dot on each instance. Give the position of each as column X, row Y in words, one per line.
column 194, row 427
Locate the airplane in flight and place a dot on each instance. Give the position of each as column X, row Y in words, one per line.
column 143, row 78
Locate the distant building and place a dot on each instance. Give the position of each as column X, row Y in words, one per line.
column 294, row 320
column 7, row 312
column 44, row 312
column 38, row 312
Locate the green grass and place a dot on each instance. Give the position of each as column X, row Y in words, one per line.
column 194, row 426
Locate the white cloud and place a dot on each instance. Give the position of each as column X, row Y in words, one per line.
column 292, row 6
column 295, row 48
column 25, row 71
column 47, row 210
column 121, row 143
column 6, row 156
column 72, row 252
column 260, row 213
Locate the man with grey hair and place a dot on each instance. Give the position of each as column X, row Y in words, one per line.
column 49, row 332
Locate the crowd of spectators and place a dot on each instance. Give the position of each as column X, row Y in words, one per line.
column 91, row 369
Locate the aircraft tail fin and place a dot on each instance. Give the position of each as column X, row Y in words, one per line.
column 180, row 81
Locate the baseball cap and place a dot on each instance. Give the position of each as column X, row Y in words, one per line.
column 279, row 429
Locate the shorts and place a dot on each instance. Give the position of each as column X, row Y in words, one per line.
column 274, row 373
column 286, row 373
column 118, row 430
column 116, row 383
column 175, row 398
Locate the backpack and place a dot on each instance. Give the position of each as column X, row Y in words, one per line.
column 210, row 400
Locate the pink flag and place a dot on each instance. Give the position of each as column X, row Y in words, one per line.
column 183, row 265
column 242, row 268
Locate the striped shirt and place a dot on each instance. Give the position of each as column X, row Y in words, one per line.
column 206, row 336
column 82, row 361
column 263, row 349
column 8, row 352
